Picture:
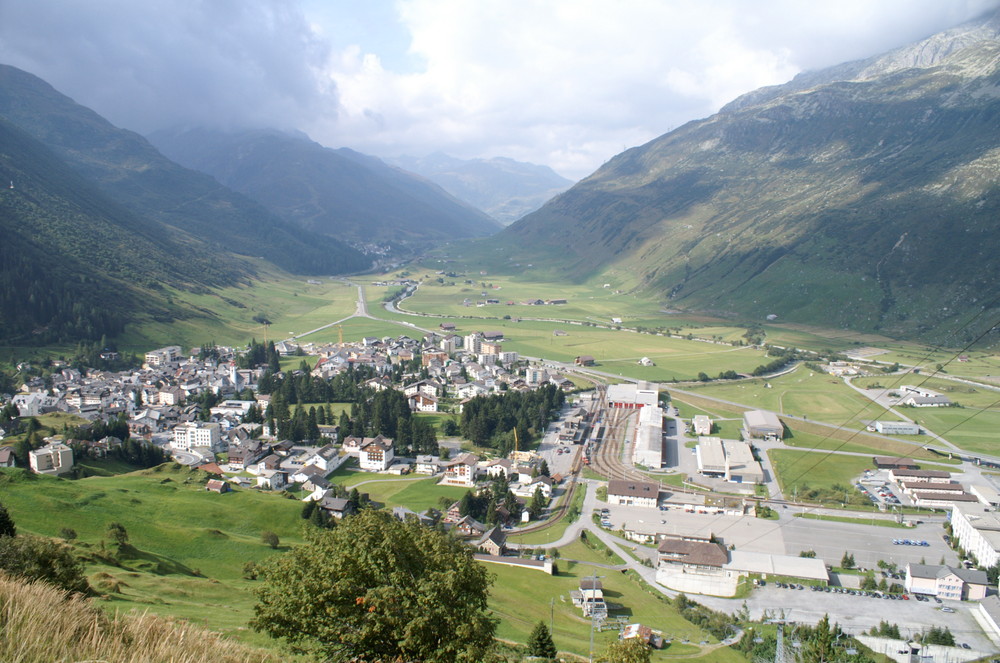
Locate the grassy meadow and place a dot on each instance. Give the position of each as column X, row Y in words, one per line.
column 188, row 546
column 521, row 598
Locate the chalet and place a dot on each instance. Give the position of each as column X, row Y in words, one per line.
column 427, row 464
column 499, row 467
column 272, row 479
column 644, row 634
column 326, row 458
column 423, row 403
column 461, row 471
column 470, row 527
column 337, row 507
column 584, row 360
column 217, row 486
column 376, row 454
column 493, row 542
column 7, row 457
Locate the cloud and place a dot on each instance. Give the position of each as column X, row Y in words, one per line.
column 567, row 83
column 156, row 63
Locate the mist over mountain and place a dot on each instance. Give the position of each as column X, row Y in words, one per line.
column 503, row 188
column 341, row 193
column 864, row 196
column 135, row 175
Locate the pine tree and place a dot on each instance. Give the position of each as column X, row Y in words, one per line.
column 7, row 527
column 540, row 642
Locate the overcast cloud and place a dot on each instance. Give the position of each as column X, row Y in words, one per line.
column 566, row 83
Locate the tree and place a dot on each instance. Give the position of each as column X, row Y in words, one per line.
column 117, row 533
column 847, row 561
column 35, row 558
column 270, row 538
column 7, row 527
column 540, row 642
column 632, row 650
column 345, row 589
column 537, row 504
column 819, row 647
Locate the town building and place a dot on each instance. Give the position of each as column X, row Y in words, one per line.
column 977, row 531
column 53, row 458
column 197, row 434
column 946, row 582
column 376, row 454
column 633, row 493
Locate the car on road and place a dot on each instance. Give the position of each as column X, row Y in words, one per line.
column 947, row 609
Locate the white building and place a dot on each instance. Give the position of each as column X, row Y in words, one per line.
column 648, row 449
column 731, row 460
column 163, row 356
column 197, row 434
column 54, row 458
column 376, row 454
column 633, row 493
column 702, row 424
column 897, row 428
column 977, row 531
column 633, row 396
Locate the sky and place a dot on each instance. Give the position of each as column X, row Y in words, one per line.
column 563, row 83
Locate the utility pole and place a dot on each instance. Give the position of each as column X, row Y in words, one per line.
column 593, row 613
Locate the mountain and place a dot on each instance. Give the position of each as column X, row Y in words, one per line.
column 74, row 264
column 503, row 188
column 865, row 196
column 339, row 192
column 135, row 175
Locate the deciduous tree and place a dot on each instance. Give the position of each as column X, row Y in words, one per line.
column 376, row 588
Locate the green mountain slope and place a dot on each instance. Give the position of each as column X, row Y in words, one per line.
column 74, row 264
column 341, row 193
column 135, row 175
column 864, row 197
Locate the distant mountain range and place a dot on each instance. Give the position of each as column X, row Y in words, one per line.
column 865, row 196
column 340, row 193
column 503, row 188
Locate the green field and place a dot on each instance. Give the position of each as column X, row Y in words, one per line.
column 190, row 545
column 793, row 469
column 802, row 393
column 522, row 598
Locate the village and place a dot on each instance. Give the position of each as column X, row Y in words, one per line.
column 708, row 537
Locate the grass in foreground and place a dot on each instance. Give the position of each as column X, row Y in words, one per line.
column 41, row 624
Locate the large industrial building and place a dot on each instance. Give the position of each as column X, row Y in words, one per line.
column 728, row 459
column 762, row 425
column 649, row 438
column 632, row 396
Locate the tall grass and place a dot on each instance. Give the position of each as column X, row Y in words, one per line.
column 41, row 624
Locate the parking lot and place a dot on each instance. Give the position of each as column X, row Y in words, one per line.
column 859, row 613
column 868, row 544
